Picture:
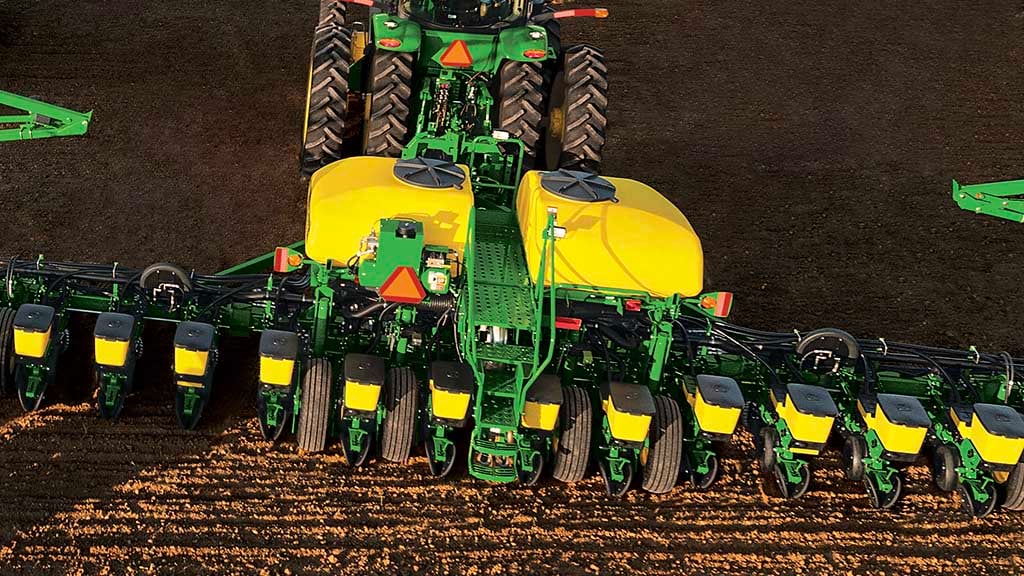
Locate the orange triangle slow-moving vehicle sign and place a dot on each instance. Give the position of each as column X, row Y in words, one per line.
column 403, row 286
column 457, row 55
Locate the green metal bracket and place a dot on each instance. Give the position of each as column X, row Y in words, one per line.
column 40, row 120
column 1000, row 199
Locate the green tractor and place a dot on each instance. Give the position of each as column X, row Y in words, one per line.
column 486, row 81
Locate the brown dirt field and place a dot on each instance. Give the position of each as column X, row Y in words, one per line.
column 811, row 146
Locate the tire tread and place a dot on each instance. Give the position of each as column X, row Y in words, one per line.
column 387, row 126
column 400, row 399
column 327, row 107
column 315, row 407
column 573, row 454
column 664, row 458
column 586, row 108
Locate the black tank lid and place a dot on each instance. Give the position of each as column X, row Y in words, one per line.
column 430, row 173
column 579, row 186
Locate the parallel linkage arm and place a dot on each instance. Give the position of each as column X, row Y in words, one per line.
column 40, row 120
column 1000, row 199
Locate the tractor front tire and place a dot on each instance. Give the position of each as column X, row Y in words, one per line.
column 315, row 407
column 327, row 99
column 665, row 452
column 386, row 128
column 400, row 390
column 578, row 111
column 572, row 453
column 521, row 105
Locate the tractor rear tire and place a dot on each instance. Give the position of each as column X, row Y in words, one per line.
column 1015, row 489
column 572, row 454
column 665, row 453
column 944, row 463
column 399, row 429
column 6, row 351
column 315, row 407
column 387, row 122
column 578, row 111
column 332, row 13
column 521, row 105
column 327, row 100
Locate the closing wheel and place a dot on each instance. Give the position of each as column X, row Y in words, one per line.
column 189, row 404
column 327, row 98
column 281, row 403
column 387, row 114
column 944, row 463
column 530, row 478
column 31, row 385
column 791, row 490
column 769, row 440
column 878, row 498
column 664, row 454
column 703, row 482
column 1014, row 487
column 577, row 111
column 355, row 458
column 521, row 104
column 109, row 396
column 572, row 446
column 6, row 351
column 440, row 469
column 972, row 506
column 400, row 398
column 616, row 488
column 315, row 406
column 854, row 449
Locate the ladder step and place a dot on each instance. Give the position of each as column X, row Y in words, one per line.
column 505, row 353
column 502, row 306
column 498, row 416
column 506, row 389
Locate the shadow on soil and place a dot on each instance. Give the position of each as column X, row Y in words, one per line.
column 56, row 459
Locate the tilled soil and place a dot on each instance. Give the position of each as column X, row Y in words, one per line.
column 810, row 144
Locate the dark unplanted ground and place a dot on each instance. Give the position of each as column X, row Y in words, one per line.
column 810, row 145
